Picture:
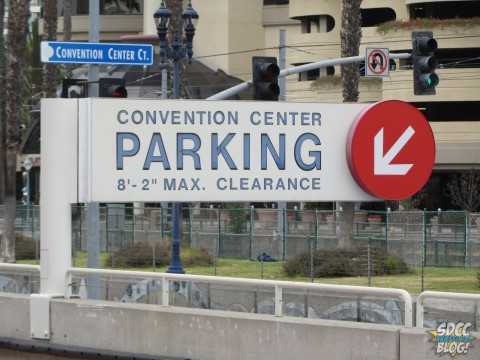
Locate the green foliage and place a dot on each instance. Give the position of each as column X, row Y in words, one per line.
column 332, row 82
column 393, row 265
column 238, row 217
column 329, row 263
column 426, row 23
column 141, row 254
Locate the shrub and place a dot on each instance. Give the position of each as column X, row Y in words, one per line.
column 330, row 263
column 196, row 257
column 140, row 254
column 394, row 265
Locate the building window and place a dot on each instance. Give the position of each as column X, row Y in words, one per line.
column 316, row 23
column 445, row 10
column 314, row 74
column 275, row 2
column 460, row 58
column 107, row 7
column 377, row 16
column 448, row 110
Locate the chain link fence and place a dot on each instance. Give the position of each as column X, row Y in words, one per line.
column 255, row 242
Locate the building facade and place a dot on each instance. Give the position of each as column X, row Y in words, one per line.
column 230, row 32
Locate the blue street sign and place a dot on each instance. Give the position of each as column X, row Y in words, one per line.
column 96, row 53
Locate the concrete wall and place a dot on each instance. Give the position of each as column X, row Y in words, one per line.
column 200, row 334
column 416, row 345
column 211, row 335
column 15, row 316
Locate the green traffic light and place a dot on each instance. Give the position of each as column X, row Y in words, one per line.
column 431, row 80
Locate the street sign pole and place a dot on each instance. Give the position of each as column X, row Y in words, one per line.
column 234, row 90
column 93, row 208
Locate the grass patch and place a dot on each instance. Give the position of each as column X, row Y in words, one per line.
column 426, row 23
column 437, row 279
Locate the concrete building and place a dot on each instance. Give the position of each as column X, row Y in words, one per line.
column 230, row 32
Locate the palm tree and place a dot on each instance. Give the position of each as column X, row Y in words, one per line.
column 176, row 7
column 50, row 70
column 67, row 31
column 14, row 80
column 2, row 103
column 350, row 35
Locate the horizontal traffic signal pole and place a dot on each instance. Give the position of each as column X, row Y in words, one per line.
column 225, row 94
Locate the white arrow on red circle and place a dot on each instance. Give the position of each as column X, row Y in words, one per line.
column 383, row 163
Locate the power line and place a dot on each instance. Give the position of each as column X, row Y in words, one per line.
column 325, row 44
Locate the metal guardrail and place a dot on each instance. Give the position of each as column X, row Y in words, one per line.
column 442, row 296
column 19, row 267
column 19, row 278
column 278, row 287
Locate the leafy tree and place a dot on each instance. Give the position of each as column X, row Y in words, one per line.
column 3, row 129
column 464, row 190
column 14, row 82
column 350, row 36
column 67, row 30
column 50, row 25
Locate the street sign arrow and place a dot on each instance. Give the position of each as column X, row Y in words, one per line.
column 407, row 138
column 383, row 163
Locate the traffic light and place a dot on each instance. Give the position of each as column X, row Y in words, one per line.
column 112, row 88
column 265, row 78
column 424, row 63
column 74, row 88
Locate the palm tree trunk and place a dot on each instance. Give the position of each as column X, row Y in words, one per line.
column 16, row 46
column 3, row 129
column 50, row 70
column 67, row 31
column 175, row 26
column 350, row 35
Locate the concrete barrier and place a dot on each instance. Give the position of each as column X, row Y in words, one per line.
column 15, row 316
column 416, row 344
column 203, row 334
column 214, row 335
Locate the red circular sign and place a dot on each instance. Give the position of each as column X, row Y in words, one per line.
column 377, row 62
column 391, row 150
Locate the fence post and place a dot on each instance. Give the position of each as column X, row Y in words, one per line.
column 278, row 300
column 252, row 226
column 465, row 238
column 284, row 235
column 217, row 245
column 311, row 259
column 165, row 291
column 369, row 262
column 424, row 250
column 190, row 225
column 386, row 228
column 162, row 227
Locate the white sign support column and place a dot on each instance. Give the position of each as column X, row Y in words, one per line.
column 58, row 190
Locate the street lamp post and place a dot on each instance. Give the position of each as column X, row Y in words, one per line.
column 176, row 50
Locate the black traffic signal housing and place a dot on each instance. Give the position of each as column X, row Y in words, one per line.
column 74, row 88
column 265, row 78
column 112, row 88
column 424, row 63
